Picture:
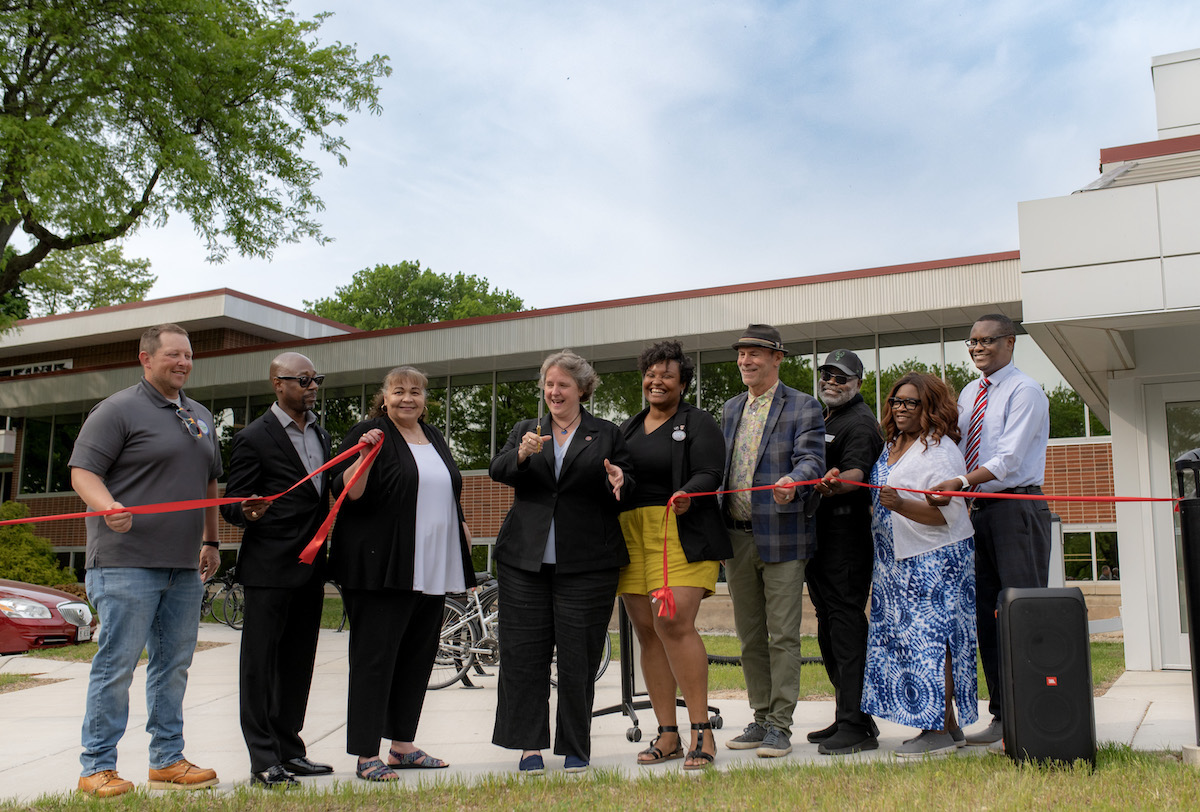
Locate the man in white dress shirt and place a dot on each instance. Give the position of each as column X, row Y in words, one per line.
column 1004, row 417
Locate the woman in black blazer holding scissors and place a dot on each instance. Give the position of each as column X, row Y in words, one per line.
column 559, row 554
column 401, row 544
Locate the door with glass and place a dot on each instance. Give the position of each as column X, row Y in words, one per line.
column 1172, row 427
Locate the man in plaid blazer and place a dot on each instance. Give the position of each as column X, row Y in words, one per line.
column 773, row 435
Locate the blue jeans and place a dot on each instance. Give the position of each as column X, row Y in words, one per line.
column 154, row 609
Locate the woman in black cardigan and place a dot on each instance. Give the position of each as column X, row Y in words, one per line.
column 559, row 553
column 401, row 544
column 677, row 450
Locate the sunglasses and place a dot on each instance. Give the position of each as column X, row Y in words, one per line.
column 303, row 380
column 189, row 422
column 840, row 380
column 909, row 404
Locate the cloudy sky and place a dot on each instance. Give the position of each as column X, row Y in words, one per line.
column 581, row 151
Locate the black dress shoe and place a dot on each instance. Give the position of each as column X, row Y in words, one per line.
column 824, row 733
column 274, row 778
column 302, row 766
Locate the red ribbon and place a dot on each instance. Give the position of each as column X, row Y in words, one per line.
column 666, row 597
column 310, row 552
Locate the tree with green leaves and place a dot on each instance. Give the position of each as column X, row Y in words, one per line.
column 400, row 295
column 120, row 112
column 84, row 278
column 26, row 557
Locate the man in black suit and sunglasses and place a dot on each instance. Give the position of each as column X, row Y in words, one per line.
column 283, row 595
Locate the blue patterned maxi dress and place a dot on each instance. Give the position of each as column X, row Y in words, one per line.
column 919, row 606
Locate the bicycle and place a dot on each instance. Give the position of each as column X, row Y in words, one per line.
column 223, row 595
column 470, row 638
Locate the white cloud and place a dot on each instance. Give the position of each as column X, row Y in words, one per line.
column 582, row 151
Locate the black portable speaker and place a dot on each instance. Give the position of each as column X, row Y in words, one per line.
column 1046, row 675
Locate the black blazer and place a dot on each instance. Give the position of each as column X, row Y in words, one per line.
column 375, row 537
column 581, row 503
column 265, row 462
column 697, row 466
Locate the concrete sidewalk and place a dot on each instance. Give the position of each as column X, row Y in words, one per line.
column 39, row 751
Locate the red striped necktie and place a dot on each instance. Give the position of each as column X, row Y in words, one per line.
column 975, row 429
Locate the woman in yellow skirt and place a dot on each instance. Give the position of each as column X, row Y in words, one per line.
column 677, row 449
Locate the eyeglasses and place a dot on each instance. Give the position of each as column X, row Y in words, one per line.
column 840, row 380
column 986, row 341
column 909, row 404
column 189, row 423
column 303, row 380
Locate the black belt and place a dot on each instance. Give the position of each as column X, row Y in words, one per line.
column 738, row 524
column 976, row 504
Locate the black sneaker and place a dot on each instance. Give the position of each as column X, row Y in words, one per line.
column 847, row 741
column 818, row 736
column 750, row 739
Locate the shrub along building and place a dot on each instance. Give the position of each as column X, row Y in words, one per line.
column 1104, row 289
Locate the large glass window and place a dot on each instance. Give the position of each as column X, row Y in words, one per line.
column 66, row 429
column 341, row 410
column 35, row 454
column 1090, row 556
column 229, row 417
column 517, row 398
column 719, row 380
column 435, row 405
column 619, row 392
column 471, row 421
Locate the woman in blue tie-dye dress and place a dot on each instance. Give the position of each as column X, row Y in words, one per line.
column 921, row 644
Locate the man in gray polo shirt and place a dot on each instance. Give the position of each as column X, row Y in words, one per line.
column 146, row 444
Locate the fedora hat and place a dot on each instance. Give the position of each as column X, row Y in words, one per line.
column 761, row 335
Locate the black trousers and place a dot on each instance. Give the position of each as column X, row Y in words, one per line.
column 839, row 582
column 279, row 645
column 540, row 610
column 1012, row 549
column 393, row 640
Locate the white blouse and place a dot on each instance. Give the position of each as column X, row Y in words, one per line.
column 923, row 468
column 437, row 559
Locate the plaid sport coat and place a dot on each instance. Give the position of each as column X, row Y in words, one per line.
column 793, row 444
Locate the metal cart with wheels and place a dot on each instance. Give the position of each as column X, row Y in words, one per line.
column 629, row 704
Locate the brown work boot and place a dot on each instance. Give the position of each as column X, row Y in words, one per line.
column 104, row 784
column 182, row 775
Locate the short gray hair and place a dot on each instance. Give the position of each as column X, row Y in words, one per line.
column 573, row 364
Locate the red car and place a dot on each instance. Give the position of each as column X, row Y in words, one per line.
column 33, row 617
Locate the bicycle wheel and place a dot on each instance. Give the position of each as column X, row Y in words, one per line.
column 235, row 607
column 342, row 601
column 212, row 589
column 454, row 657
column 605, row 659
column 489, row 604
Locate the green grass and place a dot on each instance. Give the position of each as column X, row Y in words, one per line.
column 1123, row 779
column 14, row 682
column 331, row 613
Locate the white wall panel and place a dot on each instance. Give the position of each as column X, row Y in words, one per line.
column 1095, row 290
column 1179, row 203
column 1112, row 225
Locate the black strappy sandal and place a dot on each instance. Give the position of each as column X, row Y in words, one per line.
column 658, row 756
column 705, row 759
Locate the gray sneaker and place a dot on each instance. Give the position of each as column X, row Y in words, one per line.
column 994, row 731
column 960, row 738
column 751, row 738
column 775, row 744
column 929, row 743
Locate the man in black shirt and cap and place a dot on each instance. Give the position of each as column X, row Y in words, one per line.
column 839, row 576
